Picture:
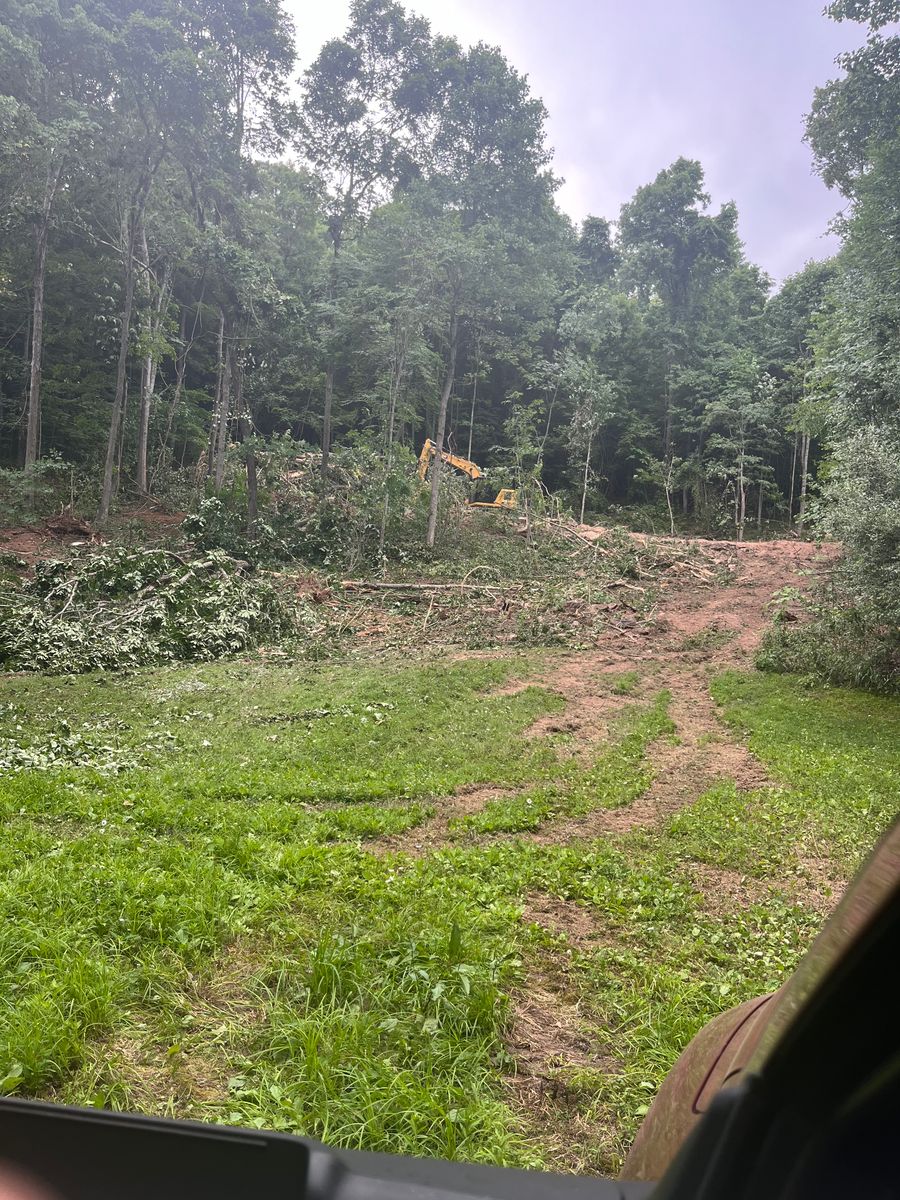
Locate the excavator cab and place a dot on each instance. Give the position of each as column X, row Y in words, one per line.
column 506, row 498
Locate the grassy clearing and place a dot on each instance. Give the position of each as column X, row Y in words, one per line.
column 191, row 921
column 836, row 755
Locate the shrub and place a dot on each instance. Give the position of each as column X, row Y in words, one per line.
column 839, row 643
column 38, row 490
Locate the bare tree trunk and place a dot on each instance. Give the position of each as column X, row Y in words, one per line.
column 759, row 509
column 42, row 237
column 180, row 365
column 224, row 414
column 584, row 482
column 667, row 418
column 549, row 419
column 741, row 500
column 212, row 446
column 121, row 367
column 441, row 429
column 793, row 476
column 668, row 491
column 245, row 431
column 252, row 491
column 685, row 499
column 326, row 419
column 804, row 481
column 120, row 451
column 472, row 414
column 150, row 364
column 396, row 381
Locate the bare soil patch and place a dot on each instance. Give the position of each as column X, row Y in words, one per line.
column 435, row 832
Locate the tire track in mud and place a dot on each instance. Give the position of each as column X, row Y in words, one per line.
column 698, row 631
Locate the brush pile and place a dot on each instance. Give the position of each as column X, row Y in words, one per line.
column 125, row 607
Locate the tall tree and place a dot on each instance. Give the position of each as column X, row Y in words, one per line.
column 675, row 250
column 54, row 72
column 365, row 99
column 489, row 180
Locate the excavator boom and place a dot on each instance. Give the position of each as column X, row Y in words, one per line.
column 462, row 464
column 506, row 497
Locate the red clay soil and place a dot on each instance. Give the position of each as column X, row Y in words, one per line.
column 46, row 538
column 699, row 629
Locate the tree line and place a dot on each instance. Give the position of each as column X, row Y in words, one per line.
column 199, row 255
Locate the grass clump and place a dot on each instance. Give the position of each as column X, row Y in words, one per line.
column 712, row 637
column 626, row 684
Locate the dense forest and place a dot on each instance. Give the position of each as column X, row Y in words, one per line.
column 208, row 265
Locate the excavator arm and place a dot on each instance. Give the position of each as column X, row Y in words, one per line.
column 454, row 460
column 506, row 497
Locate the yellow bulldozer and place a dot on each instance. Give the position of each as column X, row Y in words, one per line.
column 506, row 497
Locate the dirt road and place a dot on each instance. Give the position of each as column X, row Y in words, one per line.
column 695, row 630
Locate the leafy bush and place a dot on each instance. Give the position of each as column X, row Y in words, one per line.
column 841, row 644
column 851, row 635
column 42, row 488
column 125, row 607
column 368, row 512
column 863, row 513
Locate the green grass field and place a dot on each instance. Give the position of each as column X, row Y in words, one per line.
column 201, row 912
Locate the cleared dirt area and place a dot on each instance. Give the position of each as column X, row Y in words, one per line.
column 696, row 630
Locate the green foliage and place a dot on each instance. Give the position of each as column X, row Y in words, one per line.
column 338, row 528
column 833, row 755
column 34, row 492
column 836, row 642
column 123, row 608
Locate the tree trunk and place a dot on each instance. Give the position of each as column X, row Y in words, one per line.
column 224, row 414
column 741, row 500
column 121, row 367
column 120, row 450
column 326, row 419
column 245, row 432
column 396, row 381
column 667, row 415
column 180, row 365
column 804, row 481
column 793, row 476
column 252, row 493
column 685, row 499
column 584, row 482
column 668, row 491
column 441, row 428
column 472, row 414
column 759, row 508
column 150, row 364
column 212, row 446
column 42, row 236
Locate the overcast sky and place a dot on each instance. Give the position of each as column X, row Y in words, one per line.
column 631, row 86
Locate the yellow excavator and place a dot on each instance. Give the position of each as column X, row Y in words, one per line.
column 506, row 497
